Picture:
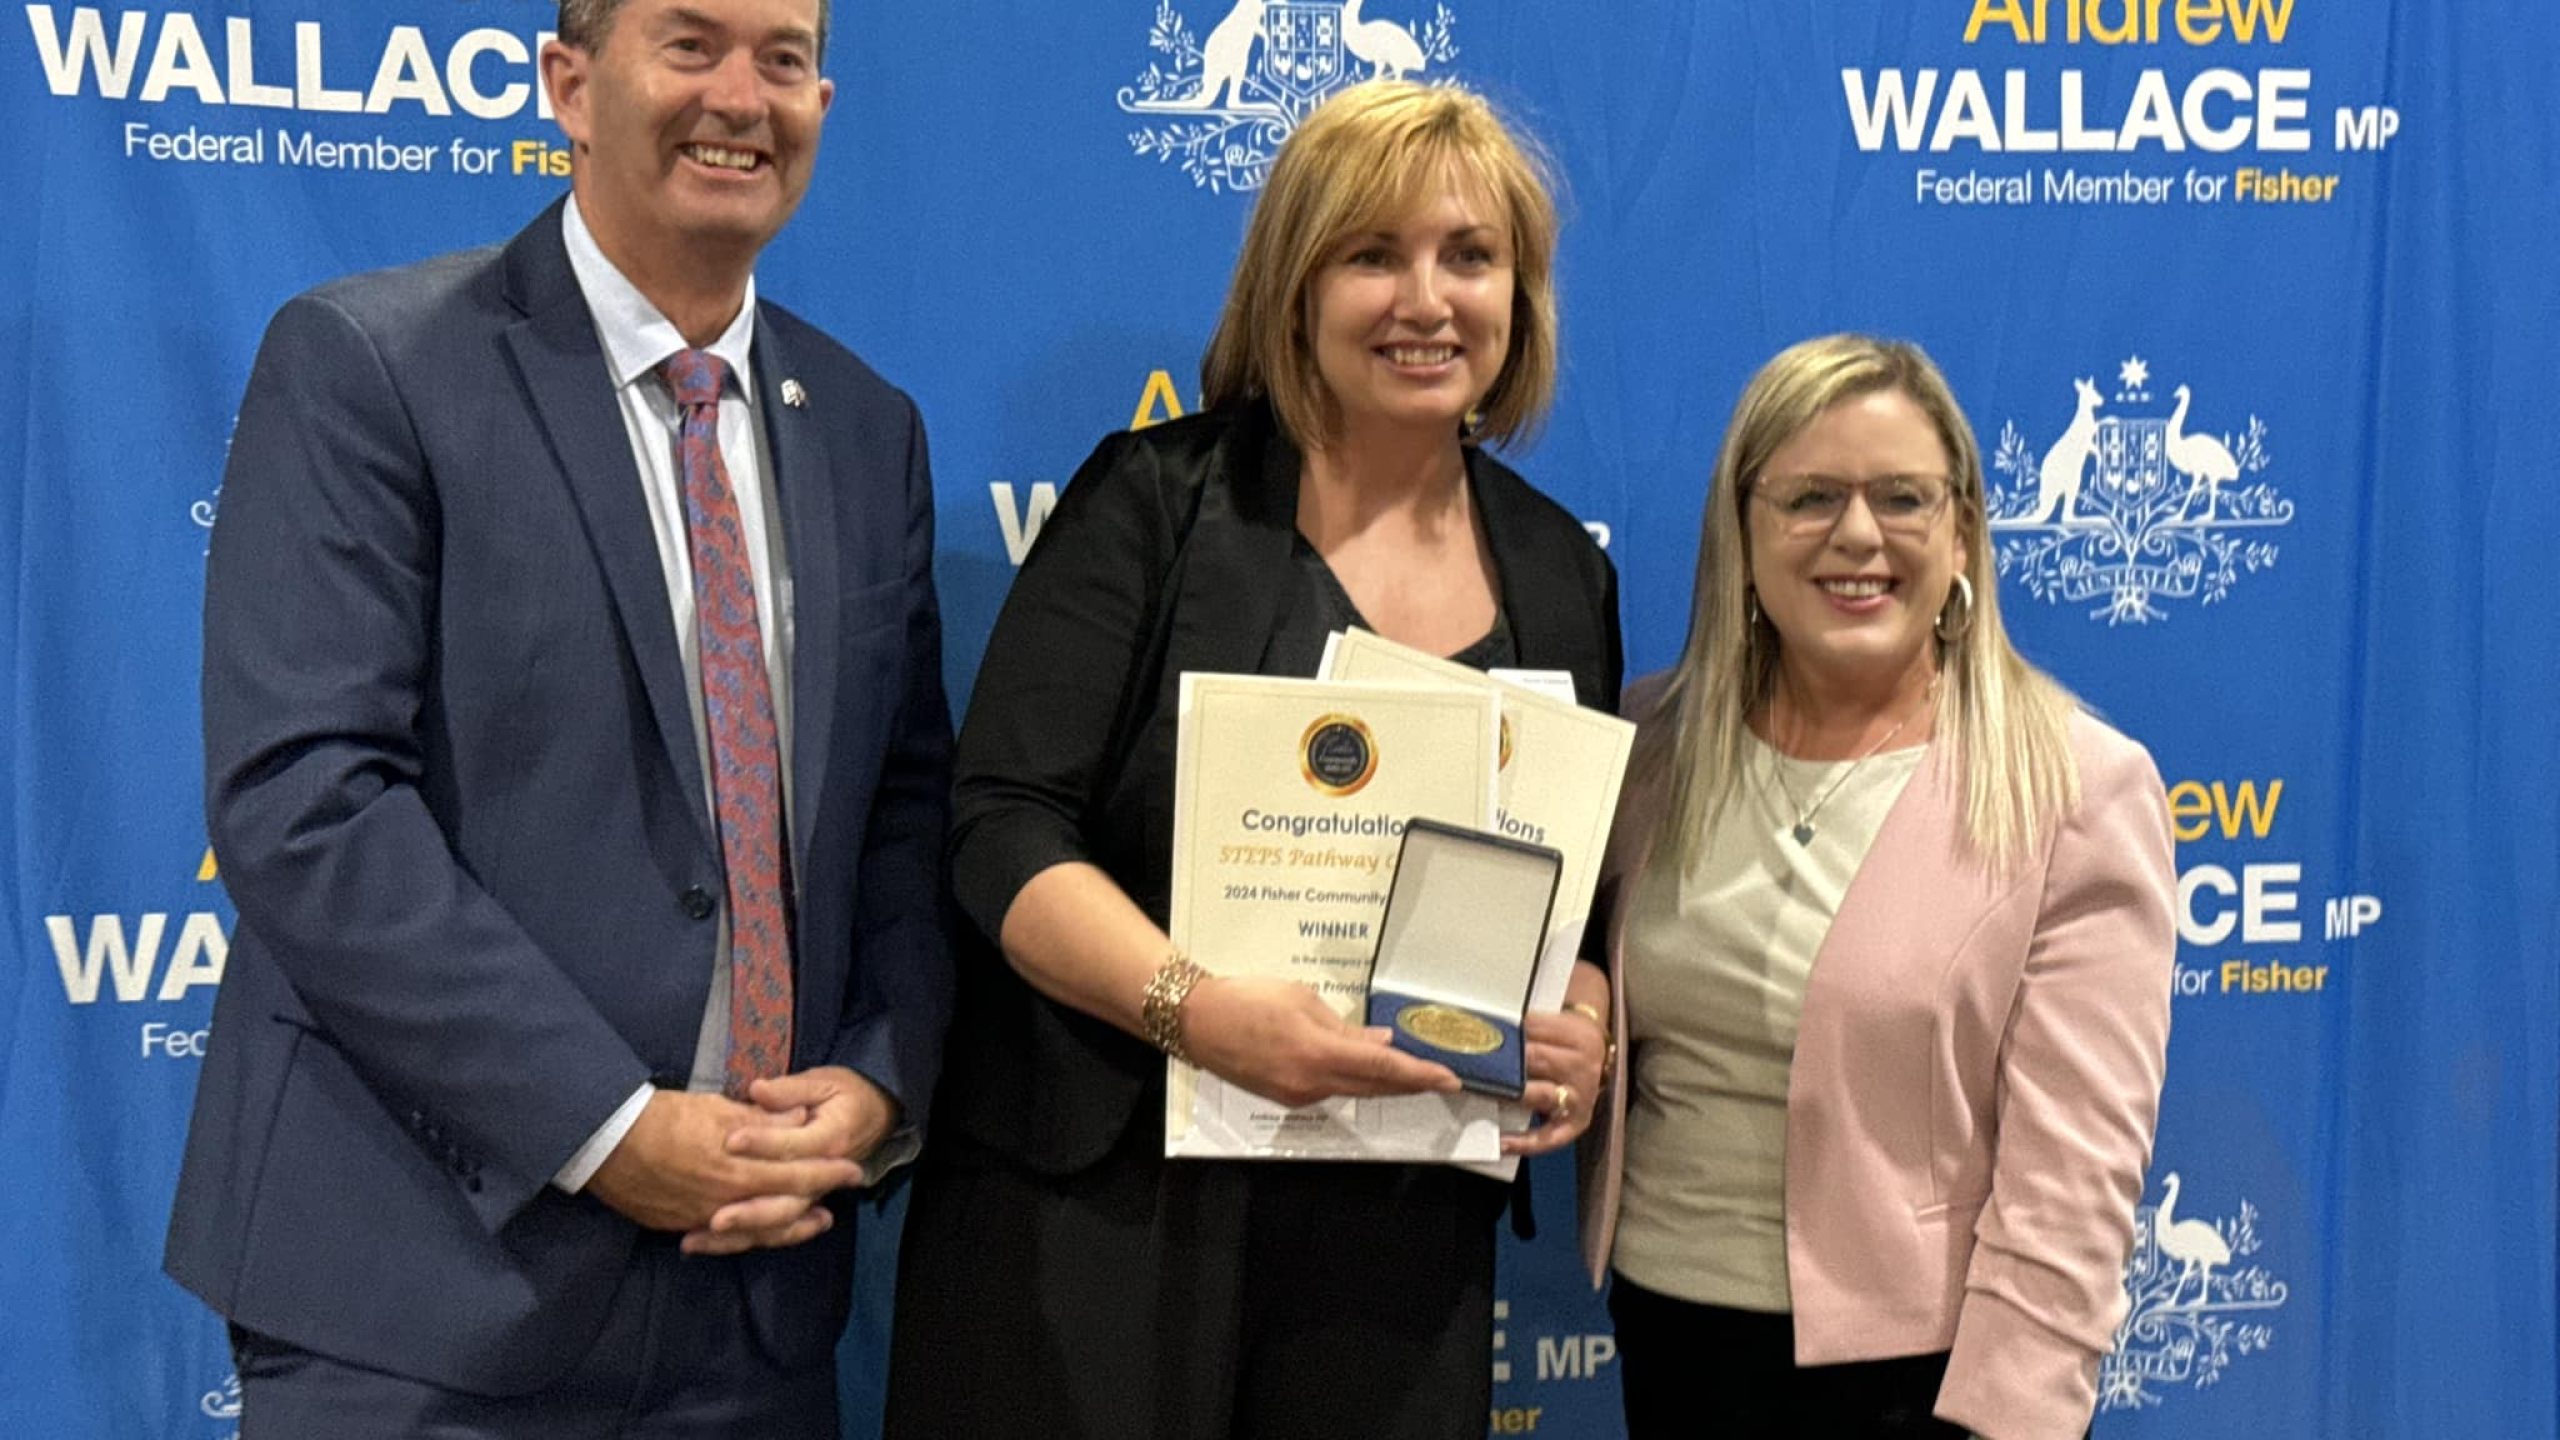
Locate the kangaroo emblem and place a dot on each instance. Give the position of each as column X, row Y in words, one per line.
column 2058, row 479
column 1224, row 56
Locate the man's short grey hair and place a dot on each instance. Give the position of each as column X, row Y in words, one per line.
column 583, row 23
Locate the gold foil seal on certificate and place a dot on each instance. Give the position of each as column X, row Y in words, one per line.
column 1450, row 1028
column 1338, row 755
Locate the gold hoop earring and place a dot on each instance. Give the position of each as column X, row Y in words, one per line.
column 1963, row 591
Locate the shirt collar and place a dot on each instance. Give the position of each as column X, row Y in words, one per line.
column 637, row 336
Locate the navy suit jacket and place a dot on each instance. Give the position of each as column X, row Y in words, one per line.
column 453, row 788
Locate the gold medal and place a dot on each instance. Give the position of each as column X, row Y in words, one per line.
column 1449, row 1028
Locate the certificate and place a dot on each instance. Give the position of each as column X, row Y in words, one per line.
column 1561, row 766
column 1290, row 802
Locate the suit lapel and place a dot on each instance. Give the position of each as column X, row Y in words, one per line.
column 562, row 366
column 1529, row 580
column 805, row 489
column 1917, row 852
column 1236, row 559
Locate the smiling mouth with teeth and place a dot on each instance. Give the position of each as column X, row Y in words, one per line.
column 1856, row 589
column 1421, row 354
column 722, row 158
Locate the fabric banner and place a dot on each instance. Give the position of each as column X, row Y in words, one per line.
column 2251, row 302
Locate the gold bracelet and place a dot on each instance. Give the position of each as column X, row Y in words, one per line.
column 1160, row 1008
column 1608, row 1038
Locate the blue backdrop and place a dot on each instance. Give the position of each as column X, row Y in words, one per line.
column 2311, row 235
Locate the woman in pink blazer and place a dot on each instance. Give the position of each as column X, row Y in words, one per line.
column 1890, row 921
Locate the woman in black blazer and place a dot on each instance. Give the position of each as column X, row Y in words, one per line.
column 1060, row 1278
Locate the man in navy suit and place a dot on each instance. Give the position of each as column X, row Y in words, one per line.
column 576, row 754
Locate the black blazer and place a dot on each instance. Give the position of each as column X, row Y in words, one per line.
column 1169, row 552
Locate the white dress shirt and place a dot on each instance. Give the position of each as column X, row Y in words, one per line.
column 637, row 338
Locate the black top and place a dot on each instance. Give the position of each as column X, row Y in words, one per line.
column 1170, row 551
column 1315, row 606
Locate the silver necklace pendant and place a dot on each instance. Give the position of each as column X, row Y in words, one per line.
column 1804, row 813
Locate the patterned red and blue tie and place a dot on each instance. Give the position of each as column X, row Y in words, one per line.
column 737, row 708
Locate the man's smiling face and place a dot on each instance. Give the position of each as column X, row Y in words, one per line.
column 696, row 123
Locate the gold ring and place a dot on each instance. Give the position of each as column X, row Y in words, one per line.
column 1564, row 1101
column 1590, row 1013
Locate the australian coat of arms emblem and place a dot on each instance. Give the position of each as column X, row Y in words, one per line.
column 2199, row 1302
column 2127, row 511
column 1221, row 105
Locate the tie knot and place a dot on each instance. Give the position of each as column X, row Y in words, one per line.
column 696, row 376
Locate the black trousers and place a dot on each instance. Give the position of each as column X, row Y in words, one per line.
column 1692, row 1370
column 1147, row 1299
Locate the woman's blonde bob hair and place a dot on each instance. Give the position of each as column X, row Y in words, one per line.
column 2007, row 723
column 1363, row 159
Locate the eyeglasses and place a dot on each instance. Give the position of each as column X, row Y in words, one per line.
column 1810, row 505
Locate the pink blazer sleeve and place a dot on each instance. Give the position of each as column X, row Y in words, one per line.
column 2080, row 1075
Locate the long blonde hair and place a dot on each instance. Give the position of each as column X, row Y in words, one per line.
column 1361, row 158
column 2007, row 723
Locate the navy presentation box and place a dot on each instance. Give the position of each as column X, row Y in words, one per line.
column 1466, row 918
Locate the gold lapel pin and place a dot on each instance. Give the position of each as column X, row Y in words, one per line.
column 794, row 394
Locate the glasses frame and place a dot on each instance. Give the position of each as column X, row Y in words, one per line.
column 1906, row 527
